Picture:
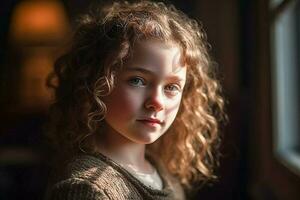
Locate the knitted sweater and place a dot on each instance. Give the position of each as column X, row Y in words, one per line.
column 96, row 177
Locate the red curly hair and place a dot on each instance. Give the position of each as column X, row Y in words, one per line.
column 102, row 42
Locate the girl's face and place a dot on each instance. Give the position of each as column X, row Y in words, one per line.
column 147, row 93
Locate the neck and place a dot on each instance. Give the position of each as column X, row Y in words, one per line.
column 123, row 151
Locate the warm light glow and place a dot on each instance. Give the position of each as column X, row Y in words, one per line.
column 34, row 71
column 35, row 20
column 38, row 31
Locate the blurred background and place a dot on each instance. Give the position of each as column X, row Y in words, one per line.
column 256, row 44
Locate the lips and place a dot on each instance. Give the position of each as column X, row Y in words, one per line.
column 151, row 120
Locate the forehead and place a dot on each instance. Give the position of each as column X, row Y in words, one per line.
column 157, row 55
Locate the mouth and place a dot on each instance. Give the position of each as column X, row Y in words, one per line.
column 151, row 122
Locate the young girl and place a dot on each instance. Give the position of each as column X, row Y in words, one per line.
column 137, row 108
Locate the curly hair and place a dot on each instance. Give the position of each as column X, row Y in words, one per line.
column 101, row 43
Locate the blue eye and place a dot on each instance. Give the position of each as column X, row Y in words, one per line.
column 137, row 81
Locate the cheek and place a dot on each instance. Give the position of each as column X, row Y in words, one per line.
column 122, row 103
column 171, row 113
column 173, row 106
column 172, row 109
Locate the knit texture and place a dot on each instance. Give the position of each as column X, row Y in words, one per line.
column 98, row 177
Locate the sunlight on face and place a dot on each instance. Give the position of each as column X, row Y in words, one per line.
column 148, row 92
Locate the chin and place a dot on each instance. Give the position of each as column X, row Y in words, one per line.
column 147, row 140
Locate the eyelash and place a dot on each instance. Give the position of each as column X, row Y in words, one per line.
column 174, row 86
column 137, row 78
column 143, row 83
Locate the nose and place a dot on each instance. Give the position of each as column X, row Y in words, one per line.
column 155, row 100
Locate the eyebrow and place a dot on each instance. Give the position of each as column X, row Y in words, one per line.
column 146, row 71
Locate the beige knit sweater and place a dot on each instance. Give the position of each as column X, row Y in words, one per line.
column 96, row 177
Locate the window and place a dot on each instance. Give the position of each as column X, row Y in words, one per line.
column 285, row 58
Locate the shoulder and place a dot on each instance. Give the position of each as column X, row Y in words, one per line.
column 87, row 167
column 76, row 189
column 90, row 177
column 96, row 170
